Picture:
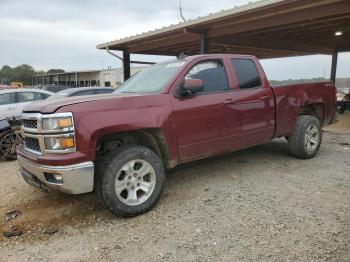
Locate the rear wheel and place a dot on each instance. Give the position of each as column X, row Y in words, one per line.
column 9, row 141
column 131, row 180
column 306, row 138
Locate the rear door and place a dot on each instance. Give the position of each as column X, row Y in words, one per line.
column 256, row 103
column 199, row 119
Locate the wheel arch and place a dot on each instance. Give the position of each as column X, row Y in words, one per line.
column 152, row 138
column 315, row 109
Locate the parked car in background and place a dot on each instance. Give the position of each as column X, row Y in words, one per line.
column 53, row 88
column 12, row 102
column 343, row 100
column 83, row 91
column 170, row 113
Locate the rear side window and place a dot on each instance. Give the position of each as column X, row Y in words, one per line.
column 246, row 73
column 7, row 99
column 213, row 74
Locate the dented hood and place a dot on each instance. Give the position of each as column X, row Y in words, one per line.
column 52, row 105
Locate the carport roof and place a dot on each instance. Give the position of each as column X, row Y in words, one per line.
column 268, row 28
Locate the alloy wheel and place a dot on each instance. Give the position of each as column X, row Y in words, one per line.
column 135, row 182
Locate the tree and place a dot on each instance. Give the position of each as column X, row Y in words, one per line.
column 6, row 74
column 23, row 73
column 55, row 71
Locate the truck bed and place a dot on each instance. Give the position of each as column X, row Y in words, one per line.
column 290, row 98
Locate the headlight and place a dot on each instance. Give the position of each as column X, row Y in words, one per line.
column 59, row 143
column 57, row 123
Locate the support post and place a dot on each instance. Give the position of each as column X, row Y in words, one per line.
column 204, row 44
column 76, row 79
column 334, row 66
column 126, row 65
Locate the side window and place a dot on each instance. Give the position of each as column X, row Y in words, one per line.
column 213, row 74
column 246, row 72
column 7, row 99
column 103, row 91
column 26, row 97
column 83, row 93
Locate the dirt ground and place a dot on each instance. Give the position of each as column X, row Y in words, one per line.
column 258, row 204
column 342, row 126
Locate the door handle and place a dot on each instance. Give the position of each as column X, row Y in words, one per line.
column 11, row 108
column 265, row 98
column 228, row 101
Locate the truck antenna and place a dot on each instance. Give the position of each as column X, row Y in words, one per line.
column 183, row 18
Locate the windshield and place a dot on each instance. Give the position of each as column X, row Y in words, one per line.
column 152, row 79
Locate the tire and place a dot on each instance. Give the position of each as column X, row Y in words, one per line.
column 306, row 138
column 131, row 180
column 9, row 141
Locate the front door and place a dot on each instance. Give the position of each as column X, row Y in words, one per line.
column 199, row 119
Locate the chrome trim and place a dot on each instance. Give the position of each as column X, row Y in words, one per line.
column 39, row 117
column 40, row 133
column 42, row 143
column 77, row 179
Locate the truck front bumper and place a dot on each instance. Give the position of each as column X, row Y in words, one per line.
column 72, row 179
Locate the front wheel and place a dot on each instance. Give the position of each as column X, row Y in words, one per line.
column 131, row 180
column 306, row 138
column 9, row 141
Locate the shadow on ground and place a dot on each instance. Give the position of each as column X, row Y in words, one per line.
column 61, row 210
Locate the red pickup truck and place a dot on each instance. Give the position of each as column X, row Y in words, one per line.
column 174, row 112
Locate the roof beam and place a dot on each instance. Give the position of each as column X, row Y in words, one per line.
column 295, row 27
column 282, row 45
column 232, row 48
column 174, row 40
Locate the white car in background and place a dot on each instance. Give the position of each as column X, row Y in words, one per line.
column 12, row 102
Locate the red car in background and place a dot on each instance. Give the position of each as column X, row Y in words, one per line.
column 2, row 87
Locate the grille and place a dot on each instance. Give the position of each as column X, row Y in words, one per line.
column 32, row 144
column 28, row 123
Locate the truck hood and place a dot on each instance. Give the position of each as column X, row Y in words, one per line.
column 52, row 105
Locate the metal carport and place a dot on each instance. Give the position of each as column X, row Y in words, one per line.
column 266, row 29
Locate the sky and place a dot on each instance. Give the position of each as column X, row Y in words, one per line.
column 64, row 34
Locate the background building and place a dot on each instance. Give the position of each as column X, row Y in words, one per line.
column 107, row 77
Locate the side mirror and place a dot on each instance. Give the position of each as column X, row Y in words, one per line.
column 190, row 87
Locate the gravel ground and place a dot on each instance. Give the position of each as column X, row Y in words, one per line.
column 258, row 204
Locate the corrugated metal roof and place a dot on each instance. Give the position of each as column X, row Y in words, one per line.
column 200, row 20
